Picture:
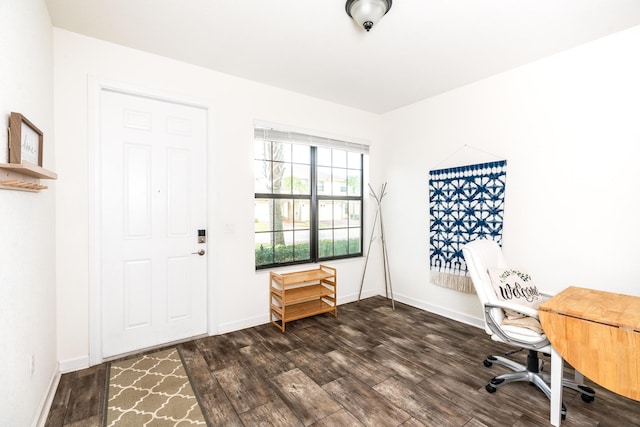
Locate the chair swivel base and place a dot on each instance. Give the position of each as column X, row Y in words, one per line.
column 531, row 374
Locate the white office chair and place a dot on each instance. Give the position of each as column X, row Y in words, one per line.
column 480, row 255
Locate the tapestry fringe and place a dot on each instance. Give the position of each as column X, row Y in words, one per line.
column 453, row 281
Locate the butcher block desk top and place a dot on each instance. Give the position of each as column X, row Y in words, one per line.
column 598, row 333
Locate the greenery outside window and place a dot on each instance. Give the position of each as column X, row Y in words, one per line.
column 308, row 198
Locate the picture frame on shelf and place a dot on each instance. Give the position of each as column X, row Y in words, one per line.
column 25, row 141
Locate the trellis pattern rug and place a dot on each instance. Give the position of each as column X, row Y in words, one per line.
column 151, row 390
column 465, row 203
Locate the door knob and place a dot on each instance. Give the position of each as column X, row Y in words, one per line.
column 200, row 252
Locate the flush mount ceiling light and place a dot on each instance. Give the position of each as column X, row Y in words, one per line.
column 367, row 12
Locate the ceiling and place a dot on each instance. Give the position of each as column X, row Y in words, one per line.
column 421, row 48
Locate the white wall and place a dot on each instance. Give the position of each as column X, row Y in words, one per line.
column 569, row 127
column 242, row 294
column 27, row 223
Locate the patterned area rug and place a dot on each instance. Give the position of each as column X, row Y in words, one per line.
column 151, row 390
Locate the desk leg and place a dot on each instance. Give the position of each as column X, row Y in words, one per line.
column 557, row 367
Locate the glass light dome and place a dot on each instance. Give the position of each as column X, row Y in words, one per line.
column 367, row 12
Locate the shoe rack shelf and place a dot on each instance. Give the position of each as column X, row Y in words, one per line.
column 24, row 176
column 301, row 294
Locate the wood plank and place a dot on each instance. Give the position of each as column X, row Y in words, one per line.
column 315, row 366
column 218, row 409
column 244, row 389
column 350, row 362
column 386, row 355
column 266, row 360
column 275, row 413
column 340, row 418
column 364, row 403
column 88, row 394
column 305, row 398
column 202, row 380
column 218, row 352
column 430, row 410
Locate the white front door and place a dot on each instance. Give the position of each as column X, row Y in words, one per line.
column 152, row 204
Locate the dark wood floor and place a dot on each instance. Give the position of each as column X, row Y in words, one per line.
column 371, row 366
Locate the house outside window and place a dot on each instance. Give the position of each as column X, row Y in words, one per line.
column 308, row 198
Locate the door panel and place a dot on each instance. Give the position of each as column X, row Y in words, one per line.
column 137, row 294
column 137, row 176
column 153, row 201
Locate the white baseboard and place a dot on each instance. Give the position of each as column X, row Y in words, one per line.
column 76, row 364
column 45, row 406
column 224, row 328
column 345, row 299
column 441, row 311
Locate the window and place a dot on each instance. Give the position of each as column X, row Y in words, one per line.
column 308, row 198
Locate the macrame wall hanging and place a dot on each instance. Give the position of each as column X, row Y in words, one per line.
column 465, row 203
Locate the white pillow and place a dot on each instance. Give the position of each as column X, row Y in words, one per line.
column 516, row 286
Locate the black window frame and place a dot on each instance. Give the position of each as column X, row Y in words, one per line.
column 314, row 200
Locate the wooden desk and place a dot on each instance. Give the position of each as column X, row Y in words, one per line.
column 598, row 333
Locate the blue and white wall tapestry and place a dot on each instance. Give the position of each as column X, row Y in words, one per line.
column 465, row 203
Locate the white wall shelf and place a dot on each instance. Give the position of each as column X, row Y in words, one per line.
column 24, row 176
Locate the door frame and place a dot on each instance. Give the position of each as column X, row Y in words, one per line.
column 95, row 88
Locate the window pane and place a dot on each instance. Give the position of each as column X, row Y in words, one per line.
column 264, row 249
column 354, row 185
column 302, row 249
column 261, row 150
column 354, row 213
column 324, row 156
column 263, row 212
column 301, row 154
column 325, row 214
column 339, row 182
column 340, row 213
column 262, row 173
column 354, row 161
column 283, row 215
column 281, row 152
column 301, row 179
column 355, row 243
column 324, row 181
column 281, row 178
column 283, row 248
column 341, row 241
column 302, row 214
column 339, row 159
column 325, row 243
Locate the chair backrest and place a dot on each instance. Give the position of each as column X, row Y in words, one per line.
column 480, row 255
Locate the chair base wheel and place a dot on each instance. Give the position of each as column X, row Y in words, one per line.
column 588, row 394
column 487, row 363
column 587, row 398
column 490, row 388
